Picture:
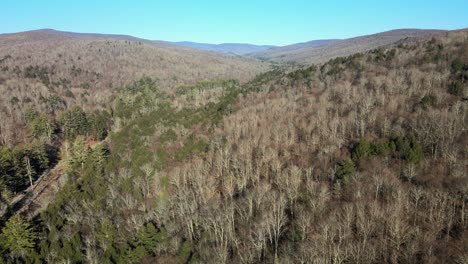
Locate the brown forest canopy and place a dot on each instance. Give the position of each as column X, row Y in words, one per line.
column 361, row 159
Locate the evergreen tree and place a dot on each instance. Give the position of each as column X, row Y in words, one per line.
column 99, row 124
column 345, row 168
column 18, row 237
column 73, row 122
column 149, row 237
column 362, row 150
column 79, row 152
column 42, row 126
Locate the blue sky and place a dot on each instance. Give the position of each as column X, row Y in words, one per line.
column 241, row 21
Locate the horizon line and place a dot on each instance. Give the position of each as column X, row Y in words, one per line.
column 221, row 43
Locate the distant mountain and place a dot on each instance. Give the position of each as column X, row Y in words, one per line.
column 228, row 48
column 298, row 46
column 323, row 50
column 315, row 51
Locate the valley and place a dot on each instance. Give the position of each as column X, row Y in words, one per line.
column 117, row 149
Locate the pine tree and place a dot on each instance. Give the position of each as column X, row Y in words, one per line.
column 79, row 151
column 18, row 237
column 362, row 150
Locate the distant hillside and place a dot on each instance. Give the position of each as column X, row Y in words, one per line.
column 50, row 32
column 129, row 54
column 297, row 46
column 38, row 67
column 321, row 51
column 228, row 48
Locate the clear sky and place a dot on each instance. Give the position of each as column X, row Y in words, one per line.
column 242, row 21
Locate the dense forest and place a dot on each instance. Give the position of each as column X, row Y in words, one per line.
column 362, row 159
column 50, row 71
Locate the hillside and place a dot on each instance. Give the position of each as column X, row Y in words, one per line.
column 291, row 48
column 322, row 51
column 360, row 159
column 44, row 67
column 228, row 48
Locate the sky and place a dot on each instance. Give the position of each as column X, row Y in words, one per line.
column 243, row 21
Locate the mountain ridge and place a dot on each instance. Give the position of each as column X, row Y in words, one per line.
column 228, row 48
column 310, row 52
column 313, row 51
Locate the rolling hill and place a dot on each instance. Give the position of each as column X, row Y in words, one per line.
column 38, row 67
column 315, row 51
column 103, row 52
column 321, row 51
column 361, row 159
column 228, row 48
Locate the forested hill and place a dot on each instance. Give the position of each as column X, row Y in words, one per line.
column 228, row 48
column 49, row 71
column 324, row 50
column 361, row 159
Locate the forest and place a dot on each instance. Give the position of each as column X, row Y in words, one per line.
column 361, row 159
